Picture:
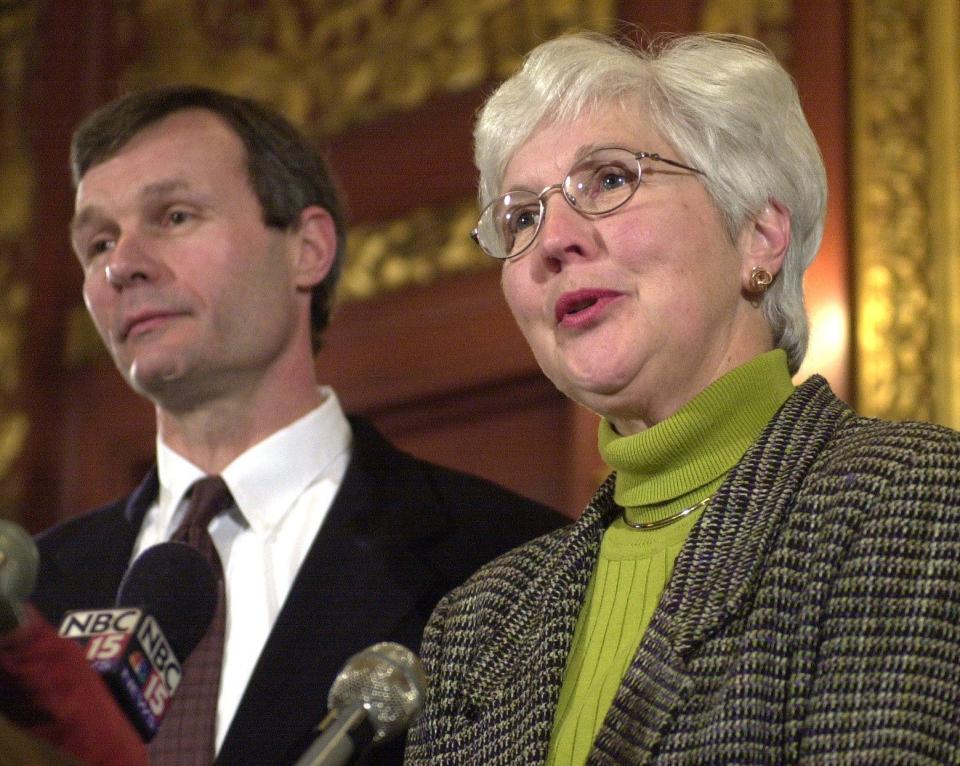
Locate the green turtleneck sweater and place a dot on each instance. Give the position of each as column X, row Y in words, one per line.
column 661, row 471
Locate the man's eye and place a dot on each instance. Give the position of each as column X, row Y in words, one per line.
column 98, row 247
column 177, row 217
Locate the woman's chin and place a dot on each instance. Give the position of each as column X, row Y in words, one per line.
column 599, row 393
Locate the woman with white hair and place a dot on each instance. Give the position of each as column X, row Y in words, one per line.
column 766, row 577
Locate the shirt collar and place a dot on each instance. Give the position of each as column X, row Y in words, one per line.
column 267, row 479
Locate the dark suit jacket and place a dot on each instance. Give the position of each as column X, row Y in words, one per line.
column 400, row 533
column 812, row 617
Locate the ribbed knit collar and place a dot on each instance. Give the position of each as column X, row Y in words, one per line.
column 697, row 445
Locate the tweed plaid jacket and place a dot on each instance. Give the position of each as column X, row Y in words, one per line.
column 813, row 616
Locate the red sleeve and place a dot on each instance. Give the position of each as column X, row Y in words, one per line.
column 47, row 688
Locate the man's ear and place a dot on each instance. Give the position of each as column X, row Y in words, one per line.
column 316, row 247
column 764, row 242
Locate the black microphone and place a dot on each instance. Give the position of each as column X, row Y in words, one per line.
column 19, row 561
column 164, row 606
column 377, row 695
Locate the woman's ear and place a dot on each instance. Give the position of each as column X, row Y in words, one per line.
column 316, row 247
column 763, row 245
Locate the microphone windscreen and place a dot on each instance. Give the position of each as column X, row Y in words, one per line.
column 174, row 584
column 19, row 561
column 389, row 680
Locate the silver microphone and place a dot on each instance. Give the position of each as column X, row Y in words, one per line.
column 19, row 561
column 377, row 695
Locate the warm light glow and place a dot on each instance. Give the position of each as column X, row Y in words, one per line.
column 829, row 333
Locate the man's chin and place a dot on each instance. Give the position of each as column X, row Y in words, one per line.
column 153, row 379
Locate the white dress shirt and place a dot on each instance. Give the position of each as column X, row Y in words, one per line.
column 283, row 487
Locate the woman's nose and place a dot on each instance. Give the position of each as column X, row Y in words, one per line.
column 564, row 232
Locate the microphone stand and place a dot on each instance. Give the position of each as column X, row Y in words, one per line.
column 345, row 733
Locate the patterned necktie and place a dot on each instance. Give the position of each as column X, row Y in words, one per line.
column 186, row 736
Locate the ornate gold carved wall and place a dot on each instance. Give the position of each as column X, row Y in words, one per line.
column 906, row 210
column 329, row 64
column 766, row 20
column 411, row 250
column 17, row 24
column 943, row 43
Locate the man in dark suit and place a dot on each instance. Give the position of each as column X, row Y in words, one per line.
column 210, row 236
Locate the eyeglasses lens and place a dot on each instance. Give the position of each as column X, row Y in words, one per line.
column 601, row 182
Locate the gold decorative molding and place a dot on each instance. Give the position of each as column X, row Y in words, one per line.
column 943, row 191
column 17, row 27
column 905, row 214
column 330, row 64
column 414, row 249
column 17, row 23
column 764, row 20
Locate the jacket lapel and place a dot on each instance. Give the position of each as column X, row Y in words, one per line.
column 83, row 561
column 114, row 560
column 526, row 661
column 717, row 572
column 139, row 502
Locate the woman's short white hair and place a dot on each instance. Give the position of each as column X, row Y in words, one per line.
column 723, row 102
